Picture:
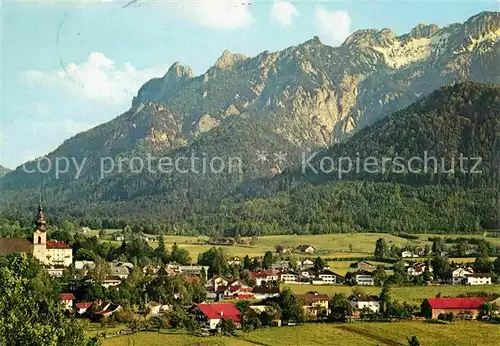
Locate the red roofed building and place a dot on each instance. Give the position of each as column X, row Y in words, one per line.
column 210, row 315
column 67, row 300
column 432, row 307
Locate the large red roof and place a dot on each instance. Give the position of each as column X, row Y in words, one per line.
column 54, row 244
column 456, row 303
column 220, row 310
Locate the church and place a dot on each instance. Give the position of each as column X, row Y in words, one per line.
column 56, row 255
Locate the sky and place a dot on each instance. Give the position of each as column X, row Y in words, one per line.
column 70, row 65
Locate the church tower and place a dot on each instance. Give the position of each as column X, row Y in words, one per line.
column 40, row 236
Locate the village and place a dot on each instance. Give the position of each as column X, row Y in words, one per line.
column 221, row 294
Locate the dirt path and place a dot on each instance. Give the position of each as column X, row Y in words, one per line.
column 369, row 335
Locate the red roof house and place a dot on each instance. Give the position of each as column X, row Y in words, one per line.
column 209, row 315
column 55, row 244
column 432, row 307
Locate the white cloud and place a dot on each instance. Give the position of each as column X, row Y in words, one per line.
column 217, row 14
column 283, row 13
column 97, row 79
column 333, row 26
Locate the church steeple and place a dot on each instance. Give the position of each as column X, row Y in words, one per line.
column 41, row 223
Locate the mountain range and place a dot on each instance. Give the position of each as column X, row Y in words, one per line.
column 269, row 109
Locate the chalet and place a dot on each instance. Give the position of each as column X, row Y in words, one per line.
column 459, row 275
column 210, row 315
column 364, row 265
column 467, row 307
column 361, row 302
column 214, row 283
column 67, row 300
column 289, row 277
column 363, row 277
column 156, row 308
column 478, row 279
column 314, row 303
column 119, row 270
column 281, row 265
column 107, row 309
column 305, row 249
column 407, row 254
column 82, row 307
column 262, row 292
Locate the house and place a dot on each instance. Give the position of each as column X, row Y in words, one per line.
column 264, row 276
column 262, row 292
column 364, row 265
column 406, row 254
column 84, row 265
column 119, row 270
column 283, row 249
column 361, row 302
column 289, row 277
column 214, row 283
column 281, row 265
column 305, row 249
column 210, row 315
column 55, row 271
column 416, row 269
column 363, row 277
column 234, row 261
column 314, row 303
column 82, row 307
column 156, row 308
column 67, row 300
column 478, row 279
column 459, row 275
column 468, row 307
column 306, row 264
column 107, row 309
column 328, row 277
column 194, row 270
column 111, row 281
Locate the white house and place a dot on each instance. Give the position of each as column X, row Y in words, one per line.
column 289, row 277
column 306, row 264
column 264, row 276
column 328, row 277
column 416, row 269
column 478, row 279
column 406, row 254
column 306, row 249
column 210, row 315
column 365, row 301
column 364, row 277
column 111, row 281
column 459, row 275
column 67, row 300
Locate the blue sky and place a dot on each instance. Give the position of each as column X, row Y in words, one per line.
column 70, row 65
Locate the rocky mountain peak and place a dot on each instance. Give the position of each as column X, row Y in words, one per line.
column 481, row 24
column 228, row 59
column 179, row 71
column 370, row 37
column 423, row 30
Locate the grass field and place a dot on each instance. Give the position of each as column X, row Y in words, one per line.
column 457, row 333
column 356, row 245
column 410, row 294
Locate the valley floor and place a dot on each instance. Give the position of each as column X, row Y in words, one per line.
column 393, row 334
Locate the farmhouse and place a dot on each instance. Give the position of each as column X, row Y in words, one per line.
column 289, row 277
column 305, row 249
column 210, row 315
column 478, row 279
column 264, row 276
column 328, row 277
column 468, row 307
column 262, row 292
column 364, row 265
column 283, row 249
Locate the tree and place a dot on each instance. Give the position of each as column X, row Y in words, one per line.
column 379, row 276
column 438, row 246
column 179, row 255
column 341, row 308
column 496, row 266
column 268, row 260
column 291, row 309
column 102, row 233
column 441, row 266
column 156, row 322
column 31, row 311
column 215, row 259
column 100, row 271
column 161, row 250
column 319, row 264
column 385, row 298
column 413, row 341
column 381, row 249
column 482, row 264
column 247, row 263
column 227, row 327
column 399, row 274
